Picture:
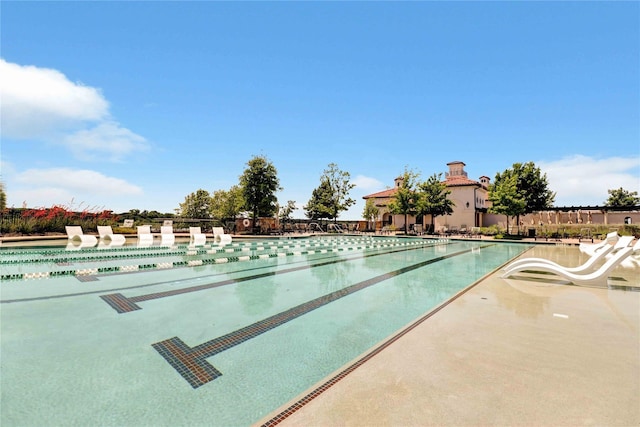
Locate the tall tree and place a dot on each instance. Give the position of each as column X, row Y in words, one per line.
column 370, row 212
column 227, row 204
column 340, row 184
column 622, row 198
column 434, row 199
column 259, row 184
column 531, row 186
column 405, row 201
column 196, row 205
column 332, row 196
column 284, row 214
column 318, row 205
column 506, row 199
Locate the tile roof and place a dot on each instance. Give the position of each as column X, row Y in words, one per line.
column 457, row 181
column 386, row 193
column 452, row 181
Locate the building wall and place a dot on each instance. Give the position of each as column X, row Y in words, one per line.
column 463, row 211
column 559, row 218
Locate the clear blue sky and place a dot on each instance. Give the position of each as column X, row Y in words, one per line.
column 118, row 105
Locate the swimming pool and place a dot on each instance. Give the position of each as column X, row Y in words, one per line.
column 210, row 335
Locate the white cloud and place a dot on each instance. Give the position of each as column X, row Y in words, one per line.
column 582, row 180
column 76, row 188
column 36, row 101
column 366, row 183
column 77, row 181
column 43, row 104
column 108, row 139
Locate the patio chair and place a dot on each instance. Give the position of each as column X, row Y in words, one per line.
column 76, row 236
column 145, row 238
column 167, row 238
column 219, row 236
column 634, row 259
column 588, row 266
column 595, row 278
column 197, row 237
column 591, row 248
column 623, row 242
column 108, row 238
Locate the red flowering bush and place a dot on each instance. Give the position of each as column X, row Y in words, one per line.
column 51, row 220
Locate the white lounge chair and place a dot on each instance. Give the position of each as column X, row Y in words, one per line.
column 598, row 277
column 219, row 235
column 145, row 238
column 586, row 267
column 106, row 236
column 76, row 236
column 623, row 242
column 591, row 248
column 197, row 237
column 634, row 259
column 166, row 235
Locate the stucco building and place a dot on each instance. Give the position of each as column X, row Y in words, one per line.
column 469, row 196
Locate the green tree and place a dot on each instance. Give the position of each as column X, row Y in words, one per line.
column 405, row 201
column 3, row 197
column 227, row 204
column 259, row 184
column 370, row 212
column 284, row 213
column 196, row 205
column 531, row 185
column 318, row 205
column 506, row 199
column 332, row 196
column 434, row 199
column 340, row 184
column 622, row 198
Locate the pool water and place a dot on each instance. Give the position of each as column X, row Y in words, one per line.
column 210, row 335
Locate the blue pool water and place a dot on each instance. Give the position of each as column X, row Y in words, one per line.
column 213, row 335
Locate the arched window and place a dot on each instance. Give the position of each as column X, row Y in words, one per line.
column 627, row 220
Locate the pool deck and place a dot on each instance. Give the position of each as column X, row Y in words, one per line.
column 516, row 352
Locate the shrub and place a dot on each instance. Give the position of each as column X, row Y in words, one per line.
column 50, row 220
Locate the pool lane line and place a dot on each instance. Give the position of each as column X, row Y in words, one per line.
column 88, row 273
column 166, row 282
column 92, row 254
column 102, row 291
column 191, row 363
column 122, row 304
